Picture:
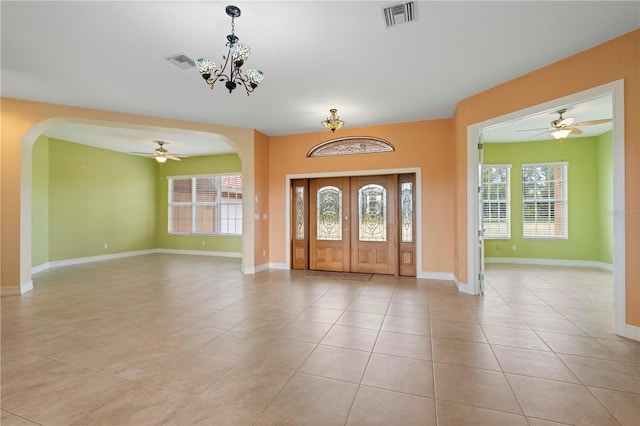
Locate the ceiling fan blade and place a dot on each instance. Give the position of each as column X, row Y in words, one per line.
column 173, row 157
column 531, row 130
column 574, row 130
column 593, row 122
column 539, row 134
column 146, row 154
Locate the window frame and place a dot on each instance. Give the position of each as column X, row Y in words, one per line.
column 220, row 204
column 506, row 201
column 564, row 200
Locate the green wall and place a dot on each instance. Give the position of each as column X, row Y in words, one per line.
column 213, row 164
column 40, row 202
column 84, row 197
column 605, row 196
column 587, row 193
column 97, row 197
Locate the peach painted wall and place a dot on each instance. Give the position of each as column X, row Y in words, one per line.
column 608, row 62
column 25, row 121
column 261, row 230
column 423, row 144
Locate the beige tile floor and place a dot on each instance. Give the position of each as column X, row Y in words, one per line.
column 181, row 340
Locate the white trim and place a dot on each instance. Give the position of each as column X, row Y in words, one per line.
column 445, row 276
column 277, row 265
column 260, row 268
column 89, row 259
column 463, row 287
column 244, row 149
column 16, row 290
column 416, row 170
column 632, row 332
column 40, row 268
column 619, row 249
column 199, row 253
column 550, row 262
column 616, row 89
column 26, row 287
column 10, row 291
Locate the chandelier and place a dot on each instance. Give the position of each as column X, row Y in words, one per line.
column 333, row 122
column 238, row 53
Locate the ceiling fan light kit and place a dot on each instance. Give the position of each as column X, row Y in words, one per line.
column 561, row 133
column 236, row 56
column 333, row 122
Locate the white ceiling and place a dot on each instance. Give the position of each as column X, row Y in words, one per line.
column 315, row 55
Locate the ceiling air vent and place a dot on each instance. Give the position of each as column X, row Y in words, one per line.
column 181, row 61
column 399, row 14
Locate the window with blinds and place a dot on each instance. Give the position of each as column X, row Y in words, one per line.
column 209, row 205
column 496, row 208
column 544, row 200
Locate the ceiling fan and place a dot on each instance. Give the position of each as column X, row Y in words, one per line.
column 160, row 154
column 563, row 127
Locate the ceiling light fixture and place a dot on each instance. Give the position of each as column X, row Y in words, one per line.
column 238, row 53
column 561, row 133
column 333, row 122
column 160, row 159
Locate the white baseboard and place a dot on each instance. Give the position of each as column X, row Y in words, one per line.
column 632, row 332
column 463, row 287
column 260, row 268
column 199, row 252
column 80, row 260
column 16, row 290
column 275, row 265
column 40, row 268
column 445, row 276
column 10, row 291
column 550, row 262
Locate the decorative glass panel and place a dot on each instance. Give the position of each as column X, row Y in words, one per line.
column 406, row 190
column 329, row 208
column 350, row 145
column 299, row 203
column 372, row 210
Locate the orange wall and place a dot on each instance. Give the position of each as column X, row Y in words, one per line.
column 424, row 144
column 611, row 61
column 24, row 120
column 261, row 174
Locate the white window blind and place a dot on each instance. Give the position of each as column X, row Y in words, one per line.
column 496, row 206
column 544, row 200
column 208, row 205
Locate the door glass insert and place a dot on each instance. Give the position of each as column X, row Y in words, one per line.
column 372, row 208
column 329, row 213
column 406, row 189
column 299, row 203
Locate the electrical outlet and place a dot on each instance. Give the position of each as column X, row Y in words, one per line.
column 105, row 245
column 513, row 247
column 264, row 252
column 203, row 243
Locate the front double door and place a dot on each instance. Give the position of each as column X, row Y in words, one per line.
column 352, row 224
